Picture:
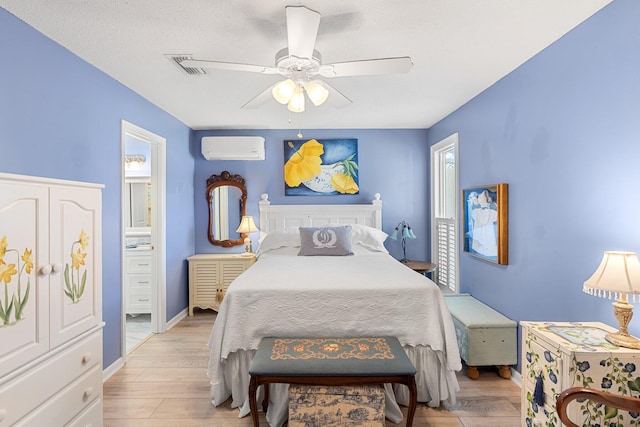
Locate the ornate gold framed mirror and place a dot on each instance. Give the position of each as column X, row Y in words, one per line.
column 227, row 197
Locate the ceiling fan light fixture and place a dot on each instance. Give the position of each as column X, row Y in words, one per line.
column 296, row 103
column 283, row 91
column 316, row 92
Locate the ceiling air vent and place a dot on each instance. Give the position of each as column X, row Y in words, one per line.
column 192, row 71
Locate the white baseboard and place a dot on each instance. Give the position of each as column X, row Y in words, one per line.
column 177, row 318
column 516, row 377
column 110, row 370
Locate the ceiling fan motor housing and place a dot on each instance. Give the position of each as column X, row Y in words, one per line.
column 298, row 68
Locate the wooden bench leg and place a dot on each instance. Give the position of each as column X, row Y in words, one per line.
column 253, row 406
column 472, row 372
column 413, row 400
column 265, row 402
column 504, row 371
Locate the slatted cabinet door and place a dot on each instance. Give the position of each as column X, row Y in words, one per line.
column 211, row 274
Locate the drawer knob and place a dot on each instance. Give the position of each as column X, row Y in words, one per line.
column 45, row 270
column 57, row 268
column 86, row 358
column 3, row 414
column 87, row 393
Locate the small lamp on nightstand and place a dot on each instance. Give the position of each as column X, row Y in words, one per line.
column 617, row 275
column 247, row 226
column 407, row 233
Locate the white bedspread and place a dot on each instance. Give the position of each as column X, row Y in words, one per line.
column 355, row 296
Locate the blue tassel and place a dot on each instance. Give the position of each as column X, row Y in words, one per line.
column 538, row 392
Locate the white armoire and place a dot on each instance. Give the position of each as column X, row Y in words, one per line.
column 50, row 302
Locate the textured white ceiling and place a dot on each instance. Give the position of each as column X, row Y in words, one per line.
column 458, row 47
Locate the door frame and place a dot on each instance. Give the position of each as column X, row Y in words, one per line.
column 158, row 227
column 438, row 200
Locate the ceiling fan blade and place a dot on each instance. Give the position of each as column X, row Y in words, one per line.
column 336, row 98
column 302, row 29
column 229, row 66
column 365, row 67
column 259, row 100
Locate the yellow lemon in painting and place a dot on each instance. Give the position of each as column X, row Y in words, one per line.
column 304, row 164
column 344, row 184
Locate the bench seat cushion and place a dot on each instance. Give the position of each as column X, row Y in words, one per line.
column 331, row 357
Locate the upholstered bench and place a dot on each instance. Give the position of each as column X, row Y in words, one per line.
column 330, row 362
column 485, row 337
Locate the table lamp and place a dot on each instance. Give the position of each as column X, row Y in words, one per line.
column 618, row 275
column 247, row 226
column 407, row 233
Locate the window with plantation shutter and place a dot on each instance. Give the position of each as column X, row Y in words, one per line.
column 446, row 254
column 444, row 209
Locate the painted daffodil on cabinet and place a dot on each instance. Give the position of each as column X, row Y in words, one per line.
column 74, row 284
column 321, row 167
column 15, row 269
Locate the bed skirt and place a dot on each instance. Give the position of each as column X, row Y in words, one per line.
column 434, row 381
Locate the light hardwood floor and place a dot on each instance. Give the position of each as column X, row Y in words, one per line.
column 164, row 384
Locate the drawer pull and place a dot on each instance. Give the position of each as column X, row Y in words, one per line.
column 146, row 282
column 86, row 358
column 57, row 268
column 3, row 414
column 45, row 270
column 143, row 265
column 144, row 299
column 87, row 393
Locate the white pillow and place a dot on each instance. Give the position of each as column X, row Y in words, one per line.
column 369, row 237
column 279, row 239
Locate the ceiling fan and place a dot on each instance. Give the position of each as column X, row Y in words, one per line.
column 301, row 64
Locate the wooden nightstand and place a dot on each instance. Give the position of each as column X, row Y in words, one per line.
column 422, row 267
column 211, row 274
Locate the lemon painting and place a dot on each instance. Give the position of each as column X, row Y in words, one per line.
column 321, row 167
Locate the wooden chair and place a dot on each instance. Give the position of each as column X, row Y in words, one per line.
column 626, row 403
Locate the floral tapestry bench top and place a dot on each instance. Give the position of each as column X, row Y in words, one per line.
column 331, row 357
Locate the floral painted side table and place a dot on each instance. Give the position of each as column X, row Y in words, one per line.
column 559, row 355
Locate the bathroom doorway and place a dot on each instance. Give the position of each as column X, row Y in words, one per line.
column 143, row 213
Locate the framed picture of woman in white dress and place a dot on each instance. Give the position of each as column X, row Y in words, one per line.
column 485, row 220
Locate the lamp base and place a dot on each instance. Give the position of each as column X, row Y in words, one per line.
column 622, row 340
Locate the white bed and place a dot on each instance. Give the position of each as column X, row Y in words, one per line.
column 368, row 294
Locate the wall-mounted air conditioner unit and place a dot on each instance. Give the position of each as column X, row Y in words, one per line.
column 233, row 147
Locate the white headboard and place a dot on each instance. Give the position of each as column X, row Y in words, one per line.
column 279, row 217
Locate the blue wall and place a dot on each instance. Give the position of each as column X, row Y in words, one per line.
column 60, row 118
column 563, row 131
column 392, row 162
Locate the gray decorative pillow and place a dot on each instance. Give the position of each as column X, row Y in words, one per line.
column 331, row 241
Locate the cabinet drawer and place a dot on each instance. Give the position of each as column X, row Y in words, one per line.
column 72, row 400
column 139, row 281
column 549, row 362
column 138, row 263
column 139, row 301
column 91, row 417
column 26, row 392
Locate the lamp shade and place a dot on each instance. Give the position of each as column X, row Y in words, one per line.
column 296, row 103
column 619, row 273
column 283, row 91
column 316, row 92
column 247, row 225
